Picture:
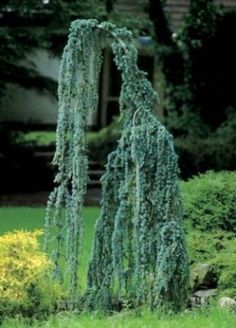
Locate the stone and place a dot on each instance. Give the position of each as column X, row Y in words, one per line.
column 206, row 293
column 227, row 303
column 201, row 297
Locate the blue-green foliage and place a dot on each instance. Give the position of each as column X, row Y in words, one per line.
column 139, row 249
column 77, row 94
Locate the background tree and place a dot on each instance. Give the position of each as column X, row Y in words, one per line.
column 198, row 77
column 28, row 25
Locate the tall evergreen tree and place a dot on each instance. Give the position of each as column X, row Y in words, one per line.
column 139, row 250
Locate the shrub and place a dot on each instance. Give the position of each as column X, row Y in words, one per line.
column 24, row 281
column 210, row 201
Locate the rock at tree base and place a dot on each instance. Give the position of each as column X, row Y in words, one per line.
column 227, row 303
column 202, row 297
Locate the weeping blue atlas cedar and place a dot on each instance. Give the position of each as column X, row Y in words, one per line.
column 138, row 253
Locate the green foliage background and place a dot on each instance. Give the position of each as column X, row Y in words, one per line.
column 197, row 78
column 196, row 62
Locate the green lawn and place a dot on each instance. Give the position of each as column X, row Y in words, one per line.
column 30, row 218
column 12, row 218
column 45, row 138
column 41, row 138
column 206, row 318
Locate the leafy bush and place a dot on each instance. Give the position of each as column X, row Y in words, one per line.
column 24, row 276
column 210, row 201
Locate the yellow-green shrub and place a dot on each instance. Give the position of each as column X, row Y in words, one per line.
column 25, row 286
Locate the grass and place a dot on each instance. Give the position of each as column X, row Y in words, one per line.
column 211, row 317
column 12, row 218
column 45, row 138
column 42, row 138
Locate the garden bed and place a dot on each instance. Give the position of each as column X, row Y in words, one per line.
column 210, row 244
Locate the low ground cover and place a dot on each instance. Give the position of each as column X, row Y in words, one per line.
column 211, row 317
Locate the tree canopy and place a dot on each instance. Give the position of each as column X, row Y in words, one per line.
column 28, row 25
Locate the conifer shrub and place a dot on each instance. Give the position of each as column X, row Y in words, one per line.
column 25, row 286
column 210, row 201
column 210, row 219
column 216, row 249
column 225, row 264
